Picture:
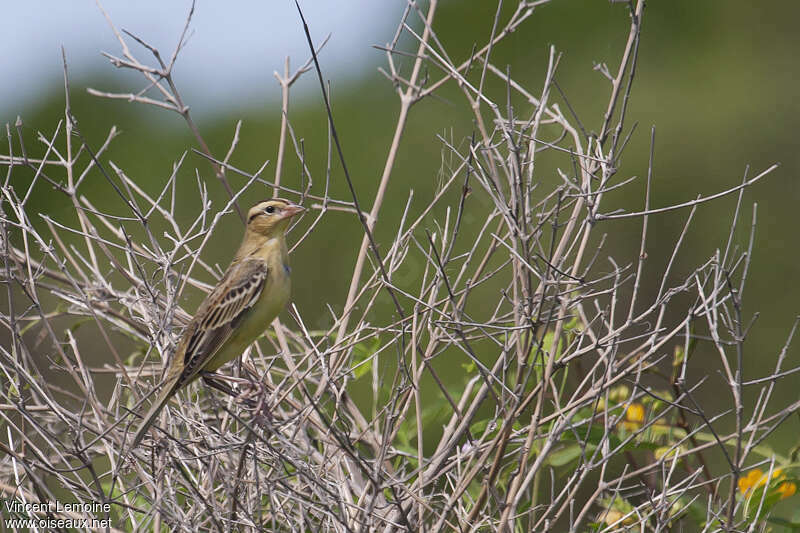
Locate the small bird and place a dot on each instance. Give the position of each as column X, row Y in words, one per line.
column 251, row 293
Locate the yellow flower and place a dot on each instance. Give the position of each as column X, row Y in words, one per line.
column 634, row 417
column 750, row 480
column 757, row 478
column 786, row 489
column 635, row 413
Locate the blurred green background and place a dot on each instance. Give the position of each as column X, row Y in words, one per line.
column 718, row 79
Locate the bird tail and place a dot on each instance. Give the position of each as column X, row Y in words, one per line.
column 155, row 409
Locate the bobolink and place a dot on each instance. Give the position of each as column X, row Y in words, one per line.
column 251, row 293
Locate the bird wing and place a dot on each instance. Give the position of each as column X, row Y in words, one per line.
column 220, row 313
column 215, row 320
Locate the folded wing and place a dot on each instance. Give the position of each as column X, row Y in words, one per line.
column 219, row 314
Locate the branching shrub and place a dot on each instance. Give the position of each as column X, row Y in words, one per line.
column 576, row 407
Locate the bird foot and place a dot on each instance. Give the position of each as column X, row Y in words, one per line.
column 254, row 395
column 250, row 393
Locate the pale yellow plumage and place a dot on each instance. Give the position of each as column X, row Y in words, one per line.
column 254, row 289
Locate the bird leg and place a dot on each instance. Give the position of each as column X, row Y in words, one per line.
column 257, row 390
column 217, row 381
column 253, row 394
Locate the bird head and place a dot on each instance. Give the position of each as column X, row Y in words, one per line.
column 270, row 218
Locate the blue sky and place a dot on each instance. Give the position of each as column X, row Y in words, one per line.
column 230, row 57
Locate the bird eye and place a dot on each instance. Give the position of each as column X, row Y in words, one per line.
column 270, row 209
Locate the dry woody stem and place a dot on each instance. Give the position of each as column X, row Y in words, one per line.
column 575, row 408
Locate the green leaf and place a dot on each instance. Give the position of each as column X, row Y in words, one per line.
column 754, row 509
column 478, row 427
column 793, row 526
column 568, row 454
column 362, row 356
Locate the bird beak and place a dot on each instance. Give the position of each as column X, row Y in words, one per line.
column 292, row 210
